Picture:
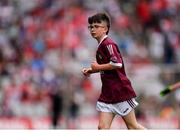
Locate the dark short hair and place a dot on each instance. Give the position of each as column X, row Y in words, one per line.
column 98, row 18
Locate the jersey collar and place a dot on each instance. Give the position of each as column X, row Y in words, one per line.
column 102, row 40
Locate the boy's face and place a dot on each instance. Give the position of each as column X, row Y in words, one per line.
column 98, row 30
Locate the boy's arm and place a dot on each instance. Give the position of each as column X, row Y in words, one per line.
column 88, row 71
column 91, row 71
column 95, row 67
column 170, row 88
column 101, row 67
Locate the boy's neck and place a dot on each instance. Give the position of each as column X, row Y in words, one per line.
column 101, row 39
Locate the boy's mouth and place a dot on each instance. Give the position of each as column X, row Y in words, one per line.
column 93, row 33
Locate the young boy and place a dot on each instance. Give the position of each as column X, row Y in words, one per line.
column 117, row 95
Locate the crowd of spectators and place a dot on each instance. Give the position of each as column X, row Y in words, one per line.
column 44, row 44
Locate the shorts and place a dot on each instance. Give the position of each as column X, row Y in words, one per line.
column 121, row 108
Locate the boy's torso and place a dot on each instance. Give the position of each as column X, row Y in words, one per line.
column 116, row 87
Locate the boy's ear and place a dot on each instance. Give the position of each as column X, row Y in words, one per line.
column 105, row 29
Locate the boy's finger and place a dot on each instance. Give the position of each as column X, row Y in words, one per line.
column 84, row 70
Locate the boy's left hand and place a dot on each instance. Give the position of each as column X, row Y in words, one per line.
column 86, row 71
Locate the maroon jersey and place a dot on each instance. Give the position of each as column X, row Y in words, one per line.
column 116, row 87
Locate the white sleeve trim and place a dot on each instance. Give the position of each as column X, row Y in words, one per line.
column 116, row 64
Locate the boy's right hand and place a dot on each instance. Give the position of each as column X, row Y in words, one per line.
column 86, row 71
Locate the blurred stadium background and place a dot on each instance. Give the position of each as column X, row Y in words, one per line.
column 44, row 44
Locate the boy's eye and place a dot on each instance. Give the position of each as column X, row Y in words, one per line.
column 95, row 26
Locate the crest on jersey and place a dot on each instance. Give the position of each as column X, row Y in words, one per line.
column 110, row 49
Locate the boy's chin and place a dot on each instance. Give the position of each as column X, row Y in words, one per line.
column 94, row 36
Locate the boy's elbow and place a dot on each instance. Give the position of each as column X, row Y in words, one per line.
column 116, row 65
